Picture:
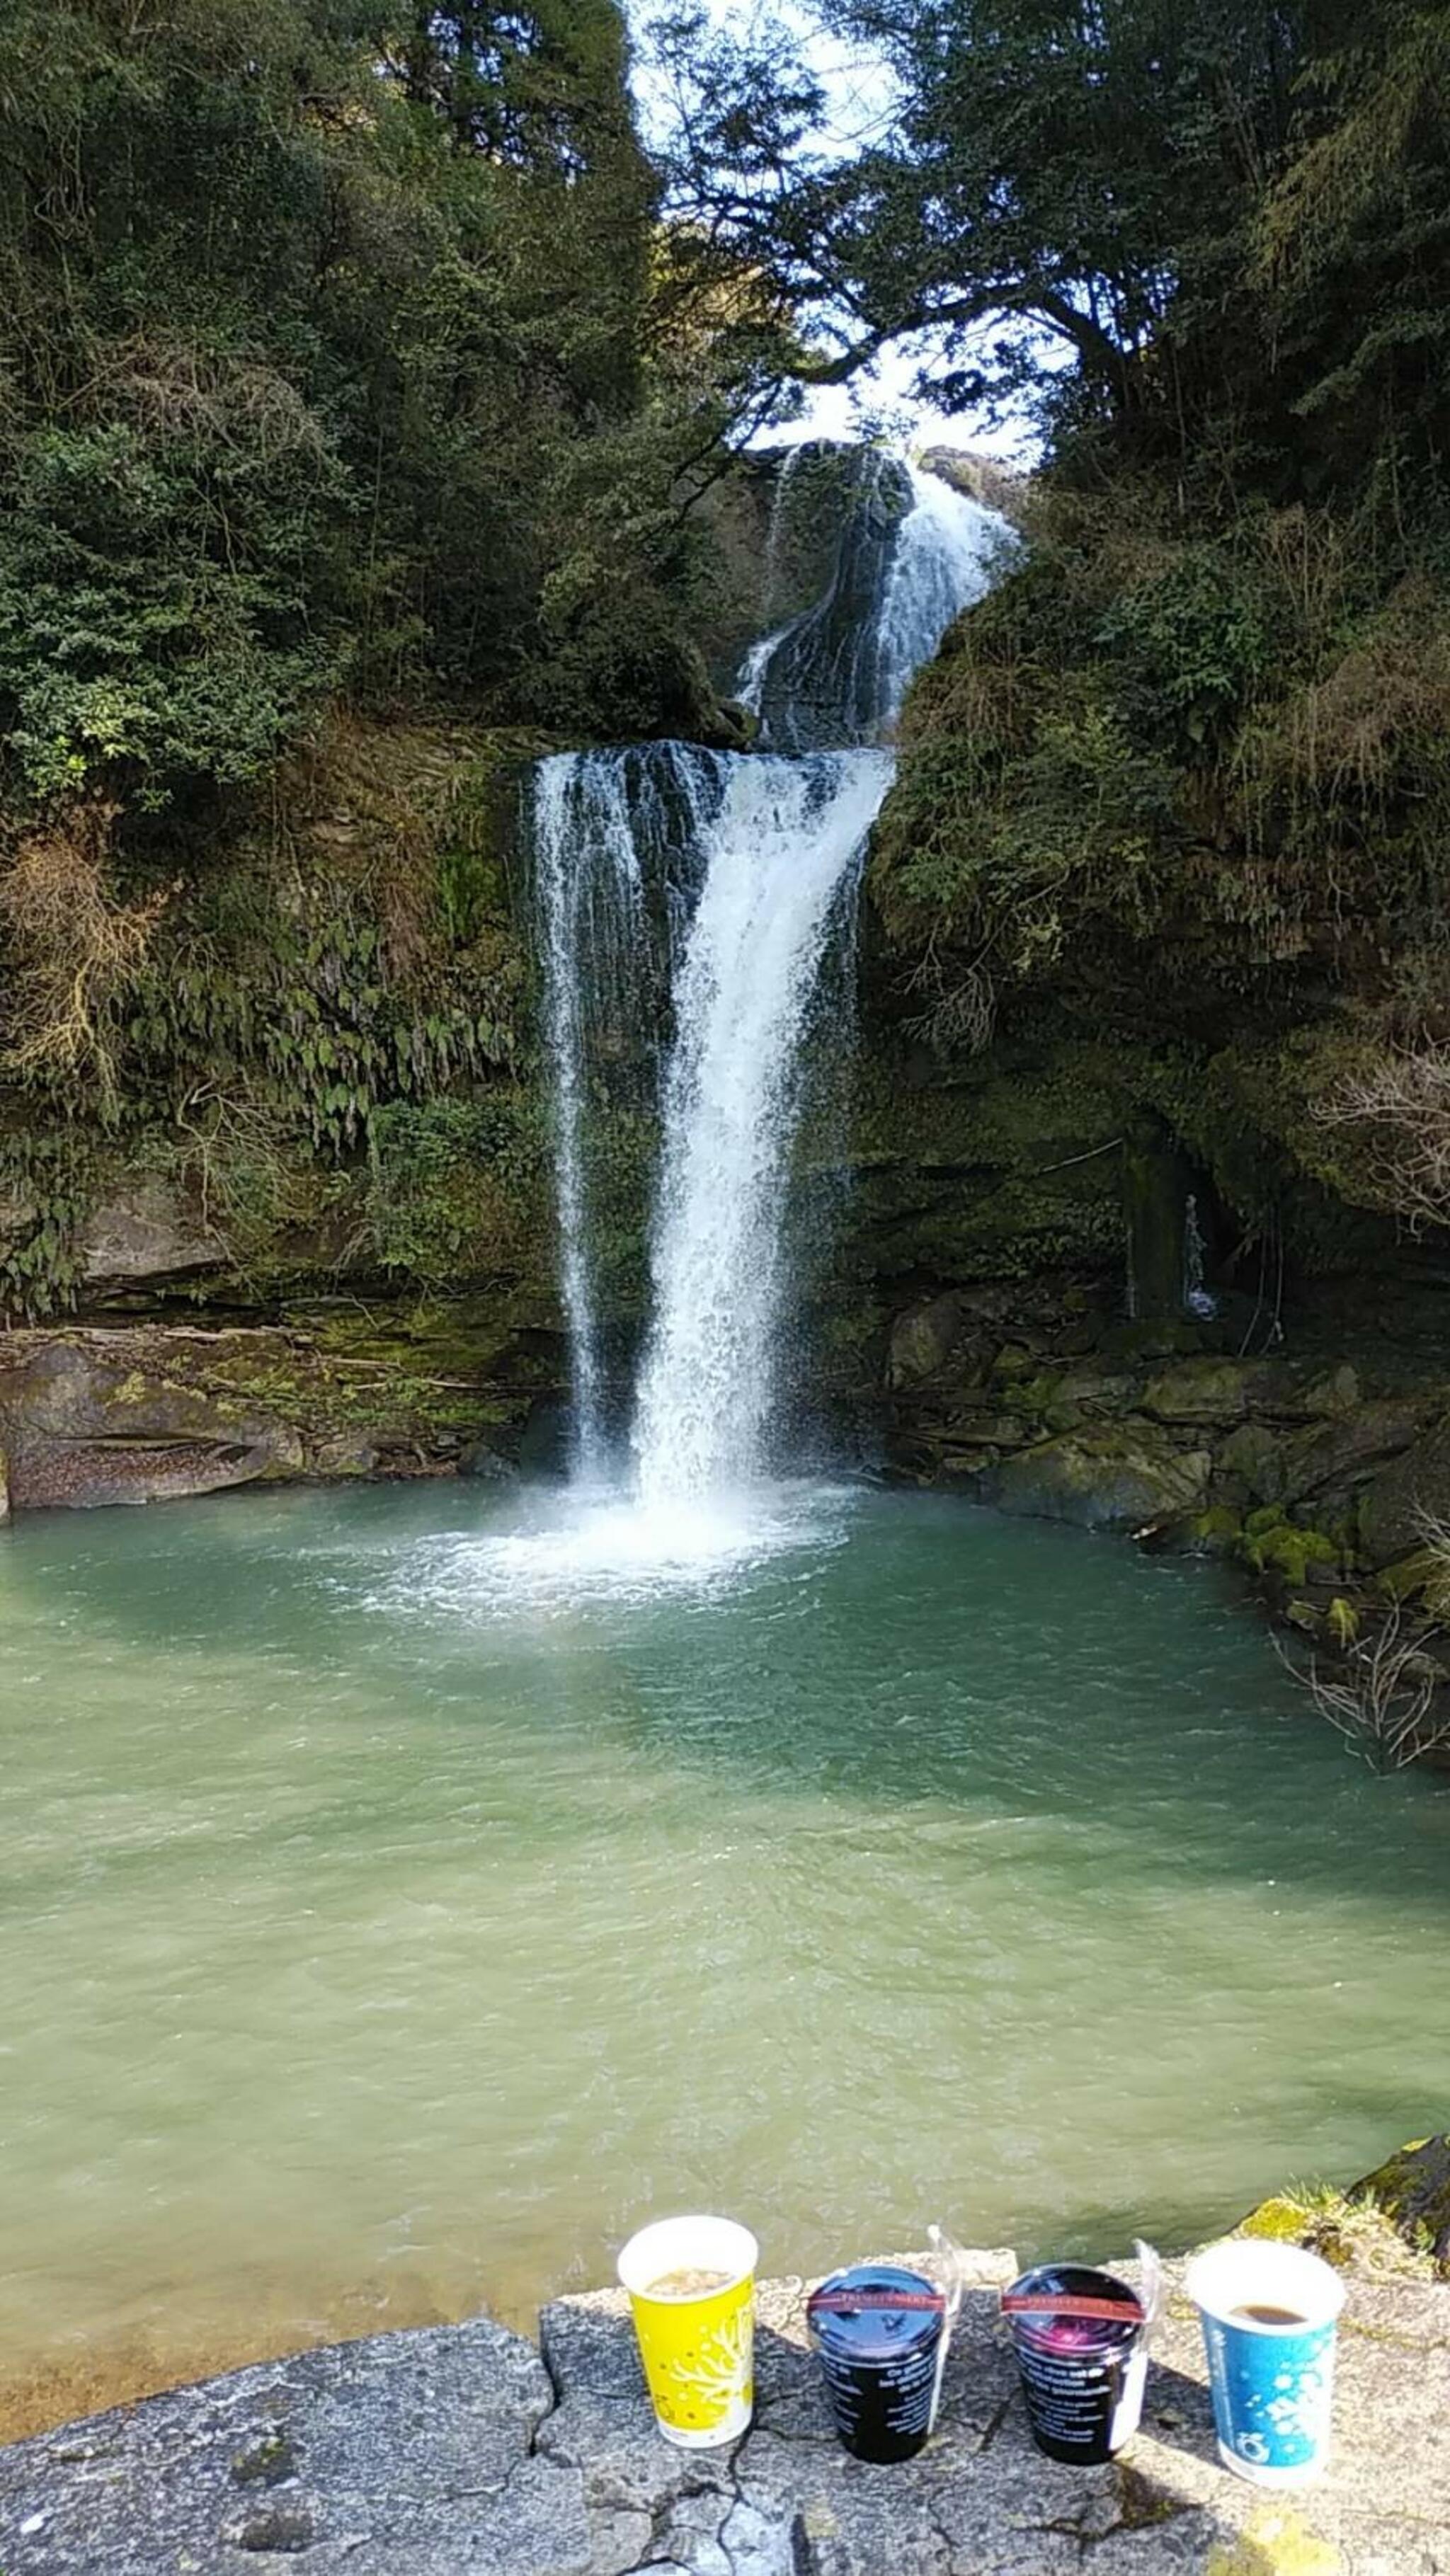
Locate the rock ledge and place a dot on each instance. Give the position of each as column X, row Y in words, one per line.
column 464, row 2451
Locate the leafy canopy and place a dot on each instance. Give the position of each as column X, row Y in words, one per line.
column 338, row 352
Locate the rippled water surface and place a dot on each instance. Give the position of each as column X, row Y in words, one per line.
column 406, row 1890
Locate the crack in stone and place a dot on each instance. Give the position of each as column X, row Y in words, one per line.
column 994, row 2427
column 949, row 2555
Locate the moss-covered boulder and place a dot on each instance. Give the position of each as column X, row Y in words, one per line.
column 100, row 1418
column 1412, row 2187
column 1123, row 1475
column 155, row 1412
column 1202, row 1390
column 1292, row 1551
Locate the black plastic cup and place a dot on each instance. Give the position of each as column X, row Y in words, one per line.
column 880, row 2334
column 1080, row 2345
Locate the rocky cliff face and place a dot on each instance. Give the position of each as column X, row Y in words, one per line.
column 320, row 1240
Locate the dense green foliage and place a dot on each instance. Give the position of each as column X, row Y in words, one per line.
column 328, row 359
column 1188, row 772
column 350, row 381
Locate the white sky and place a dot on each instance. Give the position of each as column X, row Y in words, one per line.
column 859, row 94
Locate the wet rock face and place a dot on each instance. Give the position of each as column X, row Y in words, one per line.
column 460, row 2451
column 1027, row 1419
column 1406, row 1495
column 1413, row 2190
column 85, row 1426
column 147, row 1232
column 153, row 1413
column 1106, row 1479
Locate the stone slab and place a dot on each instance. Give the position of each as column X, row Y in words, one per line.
column 460, row 2451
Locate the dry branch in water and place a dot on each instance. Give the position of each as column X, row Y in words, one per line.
column 73, row 944
column 1380, row 1699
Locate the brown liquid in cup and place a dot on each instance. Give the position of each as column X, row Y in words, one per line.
column 1254, row 2313
column 687, row 2283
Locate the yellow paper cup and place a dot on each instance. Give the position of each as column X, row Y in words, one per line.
column 697, row 2349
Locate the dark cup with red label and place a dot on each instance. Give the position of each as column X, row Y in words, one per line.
column 881, row 2336
column 1082, row 2349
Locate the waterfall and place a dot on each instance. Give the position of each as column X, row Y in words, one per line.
column 777, row 857
column 588, row 896
column 603, row 823
column 707, row 887
column 1198, row 1297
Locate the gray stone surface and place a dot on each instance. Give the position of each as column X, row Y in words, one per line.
column 96, row 1417
column 457, row 2451
column 405, row 2455
column 1413, row 1488
column 1103, row 1479
column 156, row 1411
column 148, row 1231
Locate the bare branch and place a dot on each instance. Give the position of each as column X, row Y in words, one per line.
column 1401, row 1106
column 1380, row 1698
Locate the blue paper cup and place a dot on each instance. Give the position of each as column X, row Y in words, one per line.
column 1269, row 2314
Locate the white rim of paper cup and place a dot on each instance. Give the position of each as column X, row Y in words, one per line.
column 1248, row 2269
column 699, row 2243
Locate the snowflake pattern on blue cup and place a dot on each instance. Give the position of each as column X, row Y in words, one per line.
column 1269, row 2316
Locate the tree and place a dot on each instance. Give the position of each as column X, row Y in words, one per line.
column 331, row 360
column 1054, row 174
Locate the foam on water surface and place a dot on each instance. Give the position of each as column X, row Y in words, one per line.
column 583, row 1549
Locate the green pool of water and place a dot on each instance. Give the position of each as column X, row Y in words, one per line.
column 406, row 1891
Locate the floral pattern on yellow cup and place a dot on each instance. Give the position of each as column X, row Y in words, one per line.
column 697, row 2350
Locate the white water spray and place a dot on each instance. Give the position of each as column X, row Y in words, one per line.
column 589, row 901
column 942, row 560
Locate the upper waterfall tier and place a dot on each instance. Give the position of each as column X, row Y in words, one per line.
column 910, row 553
